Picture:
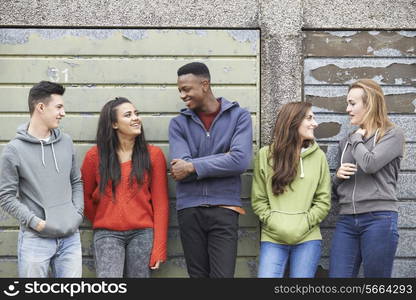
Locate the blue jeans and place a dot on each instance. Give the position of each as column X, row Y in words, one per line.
column 304, row 259
column 36, row 254
column 368, row 238
column 123, row 253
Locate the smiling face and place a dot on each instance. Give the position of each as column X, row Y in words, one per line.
column 52, row 112
column 355, row 106
column 128, row 121
column 193, row 90
column 307, row 127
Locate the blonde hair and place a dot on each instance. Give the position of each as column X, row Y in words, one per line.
column 375, row 105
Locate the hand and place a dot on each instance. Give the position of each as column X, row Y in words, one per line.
column 361, row 131
column 157, row 265
column 40, row 226
column 346, row 170
column 181, row 169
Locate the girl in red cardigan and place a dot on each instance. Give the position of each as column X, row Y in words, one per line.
column 125, row 194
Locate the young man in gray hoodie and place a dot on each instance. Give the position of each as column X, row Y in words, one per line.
column 40, row 186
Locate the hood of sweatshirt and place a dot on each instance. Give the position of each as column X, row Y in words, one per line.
column 304, row 153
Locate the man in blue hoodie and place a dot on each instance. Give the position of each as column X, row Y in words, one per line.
column 40, row 186
column 210, row 147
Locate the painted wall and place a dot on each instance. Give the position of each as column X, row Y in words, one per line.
column 285, row 35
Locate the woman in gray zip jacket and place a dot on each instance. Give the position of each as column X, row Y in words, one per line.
column 365, row 186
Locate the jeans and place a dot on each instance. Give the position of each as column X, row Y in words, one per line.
column 123, row 253
column 209, row 238
column 36, row 254
column 304, row 259
column 368, row 238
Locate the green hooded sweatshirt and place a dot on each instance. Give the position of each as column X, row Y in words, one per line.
column 292, row 217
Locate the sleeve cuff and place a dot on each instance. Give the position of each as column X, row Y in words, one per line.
column 356, row 138
column 34, row 222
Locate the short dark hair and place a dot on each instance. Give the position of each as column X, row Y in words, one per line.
column 43, row 91
column 196, row 68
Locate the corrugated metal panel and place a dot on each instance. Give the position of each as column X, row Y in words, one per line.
column 334, row 59
column 96, row 65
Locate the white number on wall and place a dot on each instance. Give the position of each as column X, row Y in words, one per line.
column 54, row 74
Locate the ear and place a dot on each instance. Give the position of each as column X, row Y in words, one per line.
column 115, row 126
column 205, row 85
column 40, row 107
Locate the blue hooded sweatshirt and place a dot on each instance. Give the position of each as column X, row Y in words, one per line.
column 219, row 155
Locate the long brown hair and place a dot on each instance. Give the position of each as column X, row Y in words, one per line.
column 375, row 105
column 108, row 144
column 286, row 145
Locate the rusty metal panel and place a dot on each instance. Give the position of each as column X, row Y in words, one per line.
column 360, row 43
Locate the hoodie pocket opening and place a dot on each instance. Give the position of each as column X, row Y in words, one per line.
column 61, row 220
column 287, row 227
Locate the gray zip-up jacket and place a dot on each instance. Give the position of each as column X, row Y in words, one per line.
column 40, row 180
column 373, row 187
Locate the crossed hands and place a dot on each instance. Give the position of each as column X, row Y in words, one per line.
column 180, row 169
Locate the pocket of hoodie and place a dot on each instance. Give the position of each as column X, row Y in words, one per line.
column 61, row 220
column 289, row 228
column 367, row 189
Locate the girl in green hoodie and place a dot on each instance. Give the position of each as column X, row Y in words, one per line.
column 291, row 195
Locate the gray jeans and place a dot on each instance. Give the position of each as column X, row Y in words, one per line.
column 119, row 253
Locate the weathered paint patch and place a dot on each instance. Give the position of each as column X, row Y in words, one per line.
column 135, row 35
column 336, row 91
column 21, row 36
column 405, row 122
column 327, row 130
column 399, row 103
column 407, row 33
column 414, row 104
column 13, row 36
column 374, row 32
column 343, row 33
column 387, row 43
column 337, row 75
column 387, row 52
column 244, row 36
column 197, row 32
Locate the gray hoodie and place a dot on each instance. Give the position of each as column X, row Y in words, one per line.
column 373, row 187
column 40, row 180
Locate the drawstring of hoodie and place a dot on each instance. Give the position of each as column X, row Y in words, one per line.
column 54, row 158
column 53, row 153
column 343, row 151
column 43, row 153
column 375, row 137
column 302, row 174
